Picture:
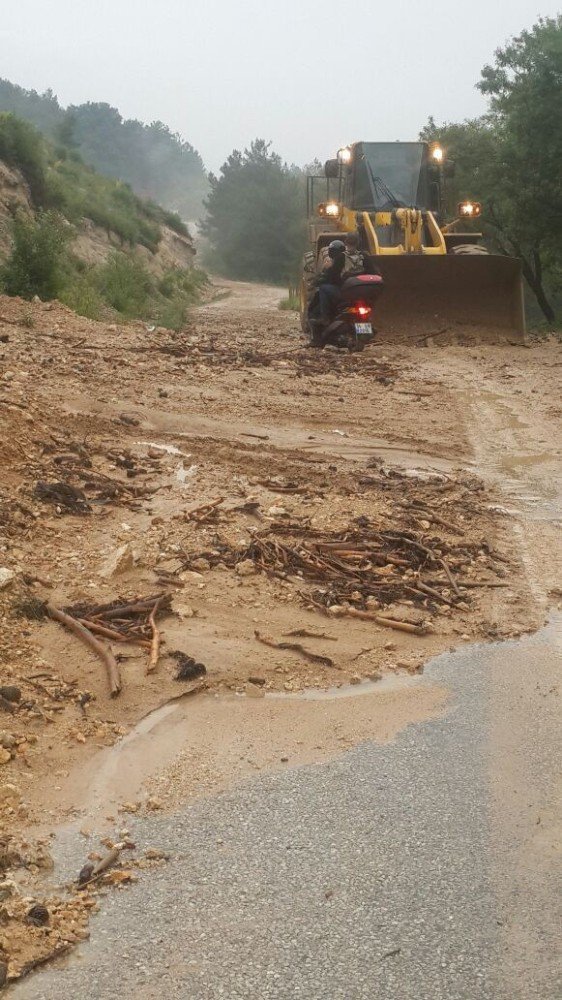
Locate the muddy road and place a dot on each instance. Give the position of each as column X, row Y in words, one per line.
column 364, row 553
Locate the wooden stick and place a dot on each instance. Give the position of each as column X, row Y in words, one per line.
column 86, row 636
column 155, row 644
column 388, row 622
column 296, row 648
column 303, row 633
column 200, row 513
column 426, row 589
column 450, row 577
column 108, row 633
column 143, row 604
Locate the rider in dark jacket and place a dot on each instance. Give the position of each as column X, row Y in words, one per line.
column 330, row 280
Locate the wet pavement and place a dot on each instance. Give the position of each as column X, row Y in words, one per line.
column 425, row 868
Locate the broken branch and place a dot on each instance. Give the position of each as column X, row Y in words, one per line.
column 296, row 648
column 155, row 644
column 86, row 636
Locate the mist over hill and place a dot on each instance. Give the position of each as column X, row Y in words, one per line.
column 156, row 162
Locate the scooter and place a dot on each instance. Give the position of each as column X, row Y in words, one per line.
column 352, row 327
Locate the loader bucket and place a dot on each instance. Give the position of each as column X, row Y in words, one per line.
column 457, row 298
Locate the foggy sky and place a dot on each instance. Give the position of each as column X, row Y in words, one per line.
column 310, row 75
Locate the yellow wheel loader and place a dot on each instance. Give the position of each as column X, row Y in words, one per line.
column 438, row 280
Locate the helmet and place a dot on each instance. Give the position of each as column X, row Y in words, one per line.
column 335, row 248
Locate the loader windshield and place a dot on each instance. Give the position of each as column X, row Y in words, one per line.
column 386, row 175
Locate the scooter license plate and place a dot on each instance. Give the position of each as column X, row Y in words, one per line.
column 363, row 329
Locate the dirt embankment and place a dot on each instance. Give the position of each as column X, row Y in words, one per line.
column 92, row 244
column 312, row 520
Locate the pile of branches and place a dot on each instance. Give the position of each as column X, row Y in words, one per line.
column 363, row 563
column 119, row 621
column 123, row 621
column 360, row 563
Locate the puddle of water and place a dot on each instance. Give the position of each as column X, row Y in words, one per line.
column 513, row 462
column 182, row 474
column 169, row 449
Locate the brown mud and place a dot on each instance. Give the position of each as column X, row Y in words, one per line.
column 457, row 447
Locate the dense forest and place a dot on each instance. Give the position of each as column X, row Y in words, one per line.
column 157, row 163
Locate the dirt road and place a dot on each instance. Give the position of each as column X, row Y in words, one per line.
column 416, row 486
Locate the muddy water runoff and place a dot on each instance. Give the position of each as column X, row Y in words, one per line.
column 529, row 478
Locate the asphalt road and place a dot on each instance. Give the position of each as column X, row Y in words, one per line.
column 420, row 870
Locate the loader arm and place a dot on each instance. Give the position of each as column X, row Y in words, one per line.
column 411, row 222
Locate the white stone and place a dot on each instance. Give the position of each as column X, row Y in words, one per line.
column 7, row 577
column 119, row 561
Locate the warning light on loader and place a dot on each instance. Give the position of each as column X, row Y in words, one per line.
column 345, row 154
column 329, row 209
column 469, row 209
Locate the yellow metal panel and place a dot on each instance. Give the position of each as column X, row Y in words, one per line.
column 437, row 237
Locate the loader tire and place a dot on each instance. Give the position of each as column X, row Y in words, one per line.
column 464, row 249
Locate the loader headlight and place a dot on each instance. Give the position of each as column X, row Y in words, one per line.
column 437, row 152
column 469, row 209
column 329, row 209
column 345, row 154
column 332, row 209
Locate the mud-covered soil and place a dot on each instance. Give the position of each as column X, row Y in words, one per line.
column 268, row 489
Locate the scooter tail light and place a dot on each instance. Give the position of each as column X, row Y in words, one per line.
column 361, row 309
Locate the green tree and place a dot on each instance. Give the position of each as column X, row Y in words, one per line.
column 255, row 218
column 525, row 90
column 511, row 158
column 21, row 146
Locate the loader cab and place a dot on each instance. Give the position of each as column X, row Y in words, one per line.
column 382, row 176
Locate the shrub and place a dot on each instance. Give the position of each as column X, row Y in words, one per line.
column 179, row 290
column 82, row 295
column 291, row 303
column 125, row 284
column 36, row 263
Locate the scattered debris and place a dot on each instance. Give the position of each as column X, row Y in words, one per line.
column 67, row 498
column 188, row 668
column 296, row 648
column 83, row 633
column 133, row 621
column 92, row 872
